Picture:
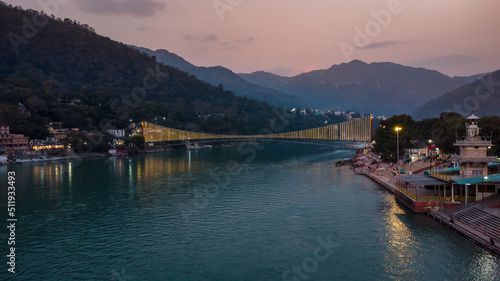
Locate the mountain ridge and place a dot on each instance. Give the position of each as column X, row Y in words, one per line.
column 382, row 88
column 231, row 81
column 483, row 93
column 378, row 87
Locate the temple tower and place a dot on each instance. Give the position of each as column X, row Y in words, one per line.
column 473, row 158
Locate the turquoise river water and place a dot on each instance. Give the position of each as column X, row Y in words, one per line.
column 276, row 212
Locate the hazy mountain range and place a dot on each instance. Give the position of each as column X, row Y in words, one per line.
column 379, row 88
column 483, row 93
column 231, row 81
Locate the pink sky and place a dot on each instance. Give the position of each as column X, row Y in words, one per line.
column 288, row 37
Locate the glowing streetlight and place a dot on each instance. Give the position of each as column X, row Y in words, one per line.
column 482, row 195
column 466, row 193
column 411, row 161
column 397, row 141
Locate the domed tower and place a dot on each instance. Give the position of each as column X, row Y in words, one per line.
column 473, row 158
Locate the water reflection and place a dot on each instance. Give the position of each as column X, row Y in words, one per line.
column 135, row 171
column 401, row 248
column 108, row 213
column 51, row 175
column 485, row 267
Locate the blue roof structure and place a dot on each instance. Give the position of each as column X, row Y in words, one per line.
column 455, row 169
column 488, row 178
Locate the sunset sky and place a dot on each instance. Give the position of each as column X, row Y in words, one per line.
column 288, row 37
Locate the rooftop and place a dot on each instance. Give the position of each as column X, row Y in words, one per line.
column 473, row 141
column 422, row 180
column 472, row 117
column 475, row 159
column 488, row 178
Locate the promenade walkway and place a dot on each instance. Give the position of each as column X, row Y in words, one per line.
column 478, row 222
column 471, row 222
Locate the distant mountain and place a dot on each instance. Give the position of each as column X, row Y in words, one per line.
column 464, row 99
column 468, row 79
column 231, row 81
column 265, row 79
column 378, row 88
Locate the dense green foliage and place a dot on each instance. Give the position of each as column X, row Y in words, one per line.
column 47, row 63
column 137, row 140
column 442, row 131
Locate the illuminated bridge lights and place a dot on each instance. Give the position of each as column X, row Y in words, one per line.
column 359, row 129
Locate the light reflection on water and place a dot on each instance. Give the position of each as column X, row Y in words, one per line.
column 144, row 214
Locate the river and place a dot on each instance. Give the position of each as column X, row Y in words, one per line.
column 273, row 212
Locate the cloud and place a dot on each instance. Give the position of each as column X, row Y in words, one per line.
column 446, row 60
column 201, row 39
column 145, row 28
column 214, row 41
column 245, row 40
column 377, row 45
column 143, row 8
column 210, row 38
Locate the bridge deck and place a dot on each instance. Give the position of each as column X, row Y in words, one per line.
column 359, row 129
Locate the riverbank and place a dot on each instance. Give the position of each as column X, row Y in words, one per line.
column 56, row 158
column 474, row 223
column 158, row 148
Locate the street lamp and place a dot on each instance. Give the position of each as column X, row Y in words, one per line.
column 466, row 193
column 411, row 161
column 397, row 141
column 482, row 189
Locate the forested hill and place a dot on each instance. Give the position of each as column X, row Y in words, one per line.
column 62, row 71
column 483, row 93
column 220, row 75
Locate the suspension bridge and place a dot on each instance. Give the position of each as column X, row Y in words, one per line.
column 359, row 130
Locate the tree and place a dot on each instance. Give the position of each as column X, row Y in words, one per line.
column 490, row 127
column 386, row 137
column 445, row 131
column 137, row 140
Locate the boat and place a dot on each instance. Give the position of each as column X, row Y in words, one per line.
column 117, row 152
column 196, row 146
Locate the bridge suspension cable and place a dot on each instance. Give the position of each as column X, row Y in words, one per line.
column 359, row 129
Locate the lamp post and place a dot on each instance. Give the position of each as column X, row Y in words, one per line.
column 397, row 141
column 482, row 191
column 466, row 192
column 411, row 161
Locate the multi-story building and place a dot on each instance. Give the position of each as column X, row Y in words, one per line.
column 57, row 132
column 12, row 142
